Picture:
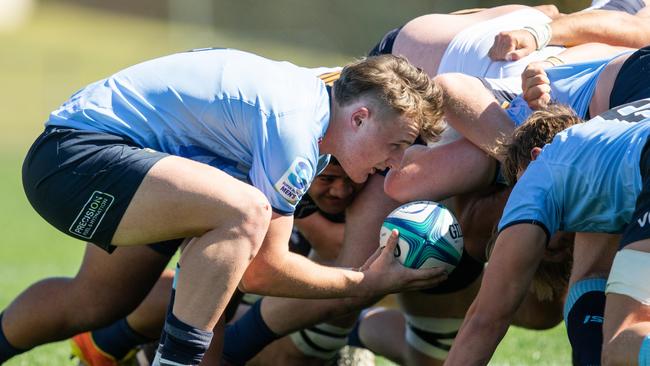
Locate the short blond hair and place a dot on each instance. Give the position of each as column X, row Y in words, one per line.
column 538, row 130
column 398, row 86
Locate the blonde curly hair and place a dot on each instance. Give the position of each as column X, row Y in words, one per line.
column 398, row 86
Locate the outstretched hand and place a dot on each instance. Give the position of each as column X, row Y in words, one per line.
column 383, row 274
column 512, row 45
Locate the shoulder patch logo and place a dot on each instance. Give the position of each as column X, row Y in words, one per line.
column 295, row 181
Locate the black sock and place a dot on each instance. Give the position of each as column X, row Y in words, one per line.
column 583, row 315
column 247, row 336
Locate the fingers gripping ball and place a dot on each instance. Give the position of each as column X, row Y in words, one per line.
column 429, row 235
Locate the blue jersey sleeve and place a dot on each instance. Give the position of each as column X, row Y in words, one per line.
column 533, row 201
column 285, row 161
column 518, row 110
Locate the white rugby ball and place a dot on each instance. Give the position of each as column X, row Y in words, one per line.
column 429, row 235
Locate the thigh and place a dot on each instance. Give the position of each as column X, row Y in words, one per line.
column 182, row 198
column 593, row 254
column 627, row 310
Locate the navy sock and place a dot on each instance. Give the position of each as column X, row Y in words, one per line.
column 7, row 351
column 354, row 339
column 184, row 344
column 247, row 336
column 583, row 315
column 118, row 339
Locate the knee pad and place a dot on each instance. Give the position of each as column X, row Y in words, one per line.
column 432, row 336
column 321, row 341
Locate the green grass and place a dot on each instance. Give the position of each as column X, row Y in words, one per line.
column 62, row 49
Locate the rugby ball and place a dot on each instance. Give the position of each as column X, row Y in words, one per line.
column 429, row 235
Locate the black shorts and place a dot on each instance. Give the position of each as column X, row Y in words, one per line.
column 639, row 226
column 82, row 182
column 385, row 45
column 465, row 273
column 633, row 80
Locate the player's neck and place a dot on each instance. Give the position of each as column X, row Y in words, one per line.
column 330, row 142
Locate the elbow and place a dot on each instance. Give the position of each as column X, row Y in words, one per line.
column 395, row 186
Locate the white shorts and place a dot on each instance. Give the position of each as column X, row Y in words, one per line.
column 629, row 275
column 467, row 53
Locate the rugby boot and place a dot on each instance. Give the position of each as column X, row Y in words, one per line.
column 85, row 349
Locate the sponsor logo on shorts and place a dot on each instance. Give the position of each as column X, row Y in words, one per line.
column 295, row 181
column 91, row 215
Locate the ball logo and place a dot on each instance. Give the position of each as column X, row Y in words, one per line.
column 295, row 180
column 454, row 231
column 397, row 252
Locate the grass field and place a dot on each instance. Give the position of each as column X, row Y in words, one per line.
column 64, row 48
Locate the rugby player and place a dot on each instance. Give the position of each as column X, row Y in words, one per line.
column 589, row 178
column 426, row 49
column 318, row 232
column 152, row 153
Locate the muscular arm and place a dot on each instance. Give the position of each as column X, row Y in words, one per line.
column 615, row 28
column 438, row 172
column 277, row 272
column 517, row 254
column 325, row 236
column 474, row 112
column 605, row 26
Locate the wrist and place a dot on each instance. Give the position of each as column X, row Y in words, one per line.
column 542, row 34
column 354, row 279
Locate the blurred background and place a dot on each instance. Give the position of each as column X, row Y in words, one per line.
column 49, row 49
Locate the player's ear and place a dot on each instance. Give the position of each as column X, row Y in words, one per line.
column 534, row 153
column 359, row 116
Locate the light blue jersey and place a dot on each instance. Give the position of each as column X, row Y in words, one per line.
column 588, row 178
column 571, row 84
column 256, row 119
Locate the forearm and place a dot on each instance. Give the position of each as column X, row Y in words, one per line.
column 305, row 313
column 292, row 275
column 477, row 340
column 611, row 27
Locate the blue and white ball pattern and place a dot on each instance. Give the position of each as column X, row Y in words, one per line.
column 430, row 235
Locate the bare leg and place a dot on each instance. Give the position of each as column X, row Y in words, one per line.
column 183, row 198
column 148, row 318
column 106, row 288
column 627, row 323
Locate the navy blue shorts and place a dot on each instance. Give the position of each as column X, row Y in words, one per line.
column 82, row 182
column 633, row 79
column 465, row 273
column 385, row 45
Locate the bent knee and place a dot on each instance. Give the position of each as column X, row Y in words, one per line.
column 253, row 213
